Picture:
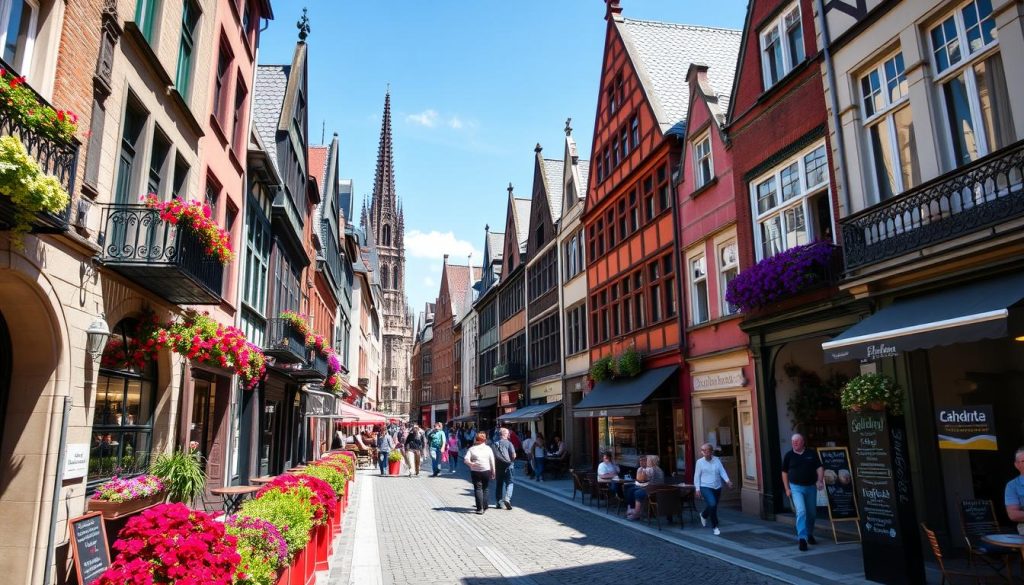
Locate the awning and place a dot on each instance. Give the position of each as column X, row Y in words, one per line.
column 318, row 403
column 529, row 413
column 961, row 314
column 622, row 397
column 353, row 415
column 483, row 403
column 463, row 418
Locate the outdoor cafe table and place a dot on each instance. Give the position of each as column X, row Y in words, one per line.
column 233, row 495
column 1006, row 541
column 262, row 480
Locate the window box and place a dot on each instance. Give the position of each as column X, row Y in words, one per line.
column 787, row 274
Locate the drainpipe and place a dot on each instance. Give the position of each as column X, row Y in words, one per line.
column 680, row 299
column 830, row 75
column 55, row 503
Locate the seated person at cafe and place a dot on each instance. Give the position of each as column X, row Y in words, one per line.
column 649, row 474
column 360, row 441
column 558, row 452
column 607, row 469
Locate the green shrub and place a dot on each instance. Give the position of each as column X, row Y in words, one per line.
column 182, row 473
column 395, row 455
column 629, row 364
column 602, row 369
column 331, row 475
column 289, row 512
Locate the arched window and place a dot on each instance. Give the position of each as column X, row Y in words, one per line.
column 122, row 422
column 395, row 276
column 384, row 281
column 385, row 235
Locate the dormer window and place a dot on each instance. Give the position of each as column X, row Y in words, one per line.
column 782, row 46
column 703, row 166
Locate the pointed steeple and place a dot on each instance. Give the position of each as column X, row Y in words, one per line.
column 384, row 204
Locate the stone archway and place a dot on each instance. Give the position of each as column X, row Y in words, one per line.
column 38, row 381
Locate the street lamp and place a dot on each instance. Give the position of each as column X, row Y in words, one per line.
column 96, row 337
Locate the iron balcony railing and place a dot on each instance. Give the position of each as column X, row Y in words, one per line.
column 55, row 157
column 312, row 370
column 285, row 342
column 508, row 373
column 167, row 259
column 983, row 193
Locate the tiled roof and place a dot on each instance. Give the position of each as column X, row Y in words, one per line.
column 583, row 167
column 318, row 165
column 522, row 217
column 268, row 99
column 458, row 283
column 496, row 242
column 663, row 52
column 554, row 174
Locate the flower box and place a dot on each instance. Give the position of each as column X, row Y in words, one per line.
column 297, row 574
column 322, row 540
column 284, row 576
column 111, row 510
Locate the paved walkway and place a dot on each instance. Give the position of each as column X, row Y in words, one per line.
column 423, row 531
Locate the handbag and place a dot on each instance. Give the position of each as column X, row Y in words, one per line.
column 444, row 456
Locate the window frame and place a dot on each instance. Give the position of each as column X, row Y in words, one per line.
column 693, row 282
column 778, row 26
column 885, row 115
column 699, row 157
column 722, row 267
column 24, row 64
column 187, row 41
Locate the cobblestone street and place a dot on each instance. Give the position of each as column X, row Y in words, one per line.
column 427, row 533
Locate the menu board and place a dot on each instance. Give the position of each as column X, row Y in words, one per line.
column 873, row 467
column 89, row 547
column 979, row 517
column 842, row 499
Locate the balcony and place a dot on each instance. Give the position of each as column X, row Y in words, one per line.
column 313, row 370
column 285, row 343
column 166, row 259
column 984, row 193
column 508, row 373
column 55, row 157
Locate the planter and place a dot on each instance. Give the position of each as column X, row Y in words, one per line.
column 297, row 572
column 394, row 467
column 111, row 510
column 284, row 576
column 311, row 559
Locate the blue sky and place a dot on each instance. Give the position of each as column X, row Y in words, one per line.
column 475, row 85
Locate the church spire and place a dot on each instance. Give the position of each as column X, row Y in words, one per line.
column 384, row 204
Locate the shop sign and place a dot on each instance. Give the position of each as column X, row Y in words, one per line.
column 719, row 380
column 842, row 498
column 966, row 428
column 874, row 470
column 76, row 462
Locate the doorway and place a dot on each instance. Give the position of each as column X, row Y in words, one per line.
column 719, row 424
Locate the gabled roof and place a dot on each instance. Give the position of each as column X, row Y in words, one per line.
column 521, row 212
column 662, row 52
column 583, row 167
column 268, row 99
column 460, row 278
column 553, row 176
column 318, row 165
column 345, row 199
column 495, row 242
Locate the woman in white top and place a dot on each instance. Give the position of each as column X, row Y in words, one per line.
column 480, row 460
column 607, row 470
column 708, row 476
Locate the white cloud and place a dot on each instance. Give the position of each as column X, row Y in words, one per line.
column 429, row 281
column 426, row 118
column 435, row 245
column 455, row 122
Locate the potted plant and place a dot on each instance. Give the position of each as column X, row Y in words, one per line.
column 602, row 369
column 872, row 392
column 262, row 549
column 395, row 462
column 630, row 363
column 182, row 474
column 122, row 496
column 30, row 189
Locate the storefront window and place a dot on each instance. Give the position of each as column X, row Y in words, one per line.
column 122, row 422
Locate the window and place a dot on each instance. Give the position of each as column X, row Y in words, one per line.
column 545, row 342
column 890, row 131
column 186, row 46
column 782, row 46
column 146, row 18
column 634, row 129
column 624, row 143
column 131, row 136
column 972, row 82
column 158, row 161
column 511, row 300
column 576, row 329
column 384, row 276
column 179, row 188
column 220, row 84
column 212, row 196
column 385, row 235
column 664, row 189
column 699, row 290
column 791, row 204
column 542, row 276
column 18, row 21
column 258, row 240
column 122, row 421
column 703, row 170
column 238, row 123
column 728, row 269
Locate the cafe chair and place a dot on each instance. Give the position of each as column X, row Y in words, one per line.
column 664, row 502
column 618, row 500
column 602, row 492
column 579, row 485
column 954, row 576
column 995, row 557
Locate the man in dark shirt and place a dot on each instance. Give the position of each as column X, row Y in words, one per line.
column 802, row 476
column 504, row 457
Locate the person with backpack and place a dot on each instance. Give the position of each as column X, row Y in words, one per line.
column 414, row 444
column 438, row 443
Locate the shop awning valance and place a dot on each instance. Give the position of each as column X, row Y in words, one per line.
column 464, row 418
column 529, row 413
column 971, row 312
column 483, row 403
column 622, row 397
column 353, row 415
column 318, row 403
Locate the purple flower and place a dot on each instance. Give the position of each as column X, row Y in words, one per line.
column 782, row 275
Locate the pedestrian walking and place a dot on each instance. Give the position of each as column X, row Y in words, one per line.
column 480, row 460
column 437, row 441
column 708, row 476
column 802, row 476
column 504, row 457
column 385, row 444
column 528, row 452
column 415, row 442
column 453, row 452
column 539, row 455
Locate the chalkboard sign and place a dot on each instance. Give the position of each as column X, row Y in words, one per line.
column 979, row 517
column 89, row 547
column 873, row 463
column 842, row 498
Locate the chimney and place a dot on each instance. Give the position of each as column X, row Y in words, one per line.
column 446, row 259
column 613, row 8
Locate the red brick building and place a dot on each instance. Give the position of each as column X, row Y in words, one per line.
column 455, row 279
column 632, row 257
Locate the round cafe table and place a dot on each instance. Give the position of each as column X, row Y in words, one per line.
column 233, row 496
column 1006, row 541
column 262, row 480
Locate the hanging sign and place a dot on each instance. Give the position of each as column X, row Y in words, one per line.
column 966, row 428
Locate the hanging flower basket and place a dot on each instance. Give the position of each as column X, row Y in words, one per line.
column 31, row 190
column 872, row 392
column 200, row 338
column 197, row 217
column 317, row 343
